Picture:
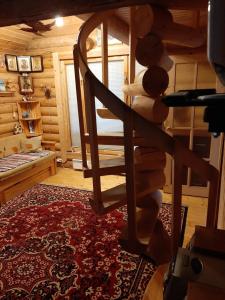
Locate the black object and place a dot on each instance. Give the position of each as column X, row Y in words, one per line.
column 196, row 265
column 215, row 106
column 175, row 288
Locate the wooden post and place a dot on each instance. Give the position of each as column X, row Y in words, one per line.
column 218, row 161
column 132, row 47
column 60, row 110
column 130, row 180
column 92, row 129
column 104, row 46
column 176, row 199
column 80, row 107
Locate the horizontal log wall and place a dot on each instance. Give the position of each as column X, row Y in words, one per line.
column 8, row 107
column 49, row 114
column 49, row 109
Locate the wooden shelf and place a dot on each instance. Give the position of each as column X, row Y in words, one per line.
column 32, row 126
column 28, row 102
column 31, row 119
column 33, row 134
column 6, row 94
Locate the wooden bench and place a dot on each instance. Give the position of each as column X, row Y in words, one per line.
column 17, row 180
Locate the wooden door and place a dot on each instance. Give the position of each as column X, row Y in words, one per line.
column 118, row 68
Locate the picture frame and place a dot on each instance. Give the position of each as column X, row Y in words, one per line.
column 24, row 64
column 11, row 63
column 25, row 84
column 37, row 63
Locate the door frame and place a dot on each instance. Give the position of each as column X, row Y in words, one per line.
column 63, row 62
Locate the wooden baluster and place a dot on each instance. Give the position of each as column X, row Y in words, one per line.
column 176, row 198
column 104, row 48
column 132, row 47
column 213, row 200
column 130, row 180
column 80, row 107
column 92, row 129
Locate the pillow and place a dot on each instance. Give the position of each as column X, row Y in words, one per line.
column 2, row 151
column 12, row 145
column 31, row 144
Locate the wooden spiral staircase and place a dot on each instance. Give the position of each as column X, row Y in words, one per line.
column 144, row 232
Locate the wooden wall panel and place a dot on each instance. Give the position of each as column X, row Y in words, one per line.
column 206, row 76
column 51, row 120
column 185, row 76
column 192, row 72
column 7, row 120
column 49, row 113
column 8, row 107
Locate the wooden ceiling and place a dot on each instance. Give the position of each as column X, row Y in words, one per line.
column 13, row 38
column 192, row 18
column 17, row 11
column 16, row 40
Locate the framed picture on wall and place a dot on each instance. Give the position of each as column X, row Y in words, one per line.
column 24, row 64
column 25, row 84
column 37, row 63
column 11, row 63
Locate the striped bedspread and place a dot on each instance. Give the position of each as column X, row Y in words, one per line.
column 12, row 161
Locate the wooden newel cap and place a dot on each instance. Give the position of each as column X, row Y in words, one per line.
column 149, row 50
column 155, row 81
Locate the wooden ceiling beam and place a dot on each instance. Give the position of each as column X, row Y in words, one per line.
column 19, row 11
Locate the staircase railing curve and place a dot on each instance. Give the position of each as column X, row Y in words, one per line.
column 152, row 135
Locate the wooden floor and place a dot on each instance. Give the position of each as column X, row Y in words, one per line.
column 197, row 208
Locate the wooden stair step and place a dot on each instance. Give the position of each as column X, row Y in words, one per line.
column 115, row 138
column 105, row 113
column 108, row 167
column 115, row 194
column 111, row 199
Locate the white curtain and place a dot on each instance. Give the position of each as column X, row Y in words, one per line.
column 116, row 81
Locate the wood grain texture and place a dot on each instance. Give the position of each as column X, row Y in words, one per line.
column 12, row 13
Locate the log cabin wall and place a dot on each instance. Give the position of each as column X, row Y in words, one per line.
column 60, row 41
column 42, row 81
column 11, row 42
column 8, row 107
column 56, row 41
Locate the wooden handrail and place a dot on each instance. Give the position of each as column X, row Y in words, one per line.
column 154, row 136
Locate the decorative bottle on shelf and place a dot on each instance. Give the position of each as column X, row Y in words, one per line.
column 31, row 126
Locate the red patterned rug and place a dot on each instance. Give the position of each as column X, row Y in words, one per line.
column 52, row 246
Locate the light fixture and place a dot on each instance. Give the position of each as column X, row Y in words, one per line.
column 59, row 21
